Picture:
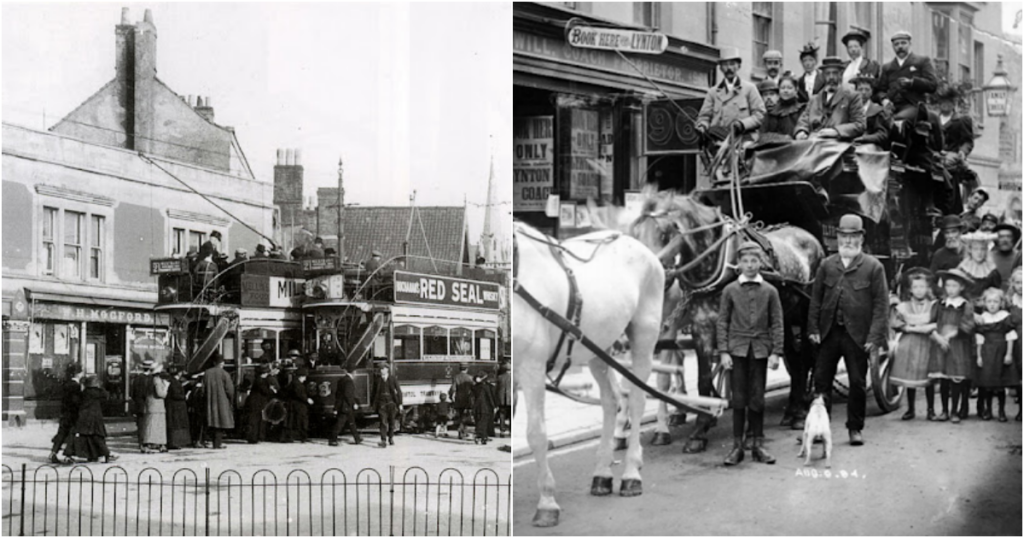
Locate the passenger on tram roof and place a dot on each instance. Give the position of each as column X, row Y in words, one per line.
column 318, row 249
column 241, row 255
column 374, row 262
column 261, row 251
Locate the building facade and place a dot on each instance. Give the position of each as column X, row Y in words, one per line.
column 588, row 123
column 87, row 203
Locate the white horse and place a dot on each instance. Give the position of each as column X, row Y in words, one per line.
column 621, row 283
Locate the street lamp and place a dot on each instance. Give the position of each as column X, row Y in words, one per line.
column 998, row 90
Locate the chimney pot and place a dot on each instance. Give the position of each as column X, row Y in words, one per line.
column 207, row 101
column 124, row 15
column 148, row 16
column 280, row 157
column 298, row 157
column 199, row 101
column 290, row 157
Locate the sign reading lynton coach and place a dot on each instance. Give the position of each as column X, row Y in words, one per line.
column 588, row 37
column 532, row 162
column 443, row 290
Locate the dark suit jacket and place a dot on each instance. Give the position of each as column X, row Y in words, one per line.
column 801, row 93
column 461, row 391
column 877, row 131
column 844, row 113
column 750, row 316
column 916, row 68
column 381, row 387
column 345, row 395
column 859, row 290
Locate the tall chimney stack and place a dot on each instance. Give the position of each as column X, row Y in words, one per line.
column 288, row 179
column 204, row 107
column 124, row 68
column 145, row 82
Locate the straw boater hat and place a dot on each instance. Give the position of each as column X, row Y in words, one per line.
column 979, row 237
column 959, row 275
column 832, row 62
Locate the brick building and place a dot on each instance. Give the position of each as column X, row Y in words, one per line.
column 87, row 203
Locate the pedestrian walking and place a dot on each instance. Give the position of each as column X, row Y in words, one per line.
column 750, row 338
column 387, row 400
column 90, row 438
column 70, row 403
column 178, row 429
column 298, row 402
column 483, row 410
column 914, row 321
column 154, row 427
column 504, row 398
column 220, row 398
column 461, row 394
column 345, row 408
column 848, row 318
column 995, row 334
column 260, row 394
column 142, row 385
column 953, row 362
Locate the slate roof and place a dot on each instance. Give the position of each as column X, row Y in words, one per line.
column 385, row 228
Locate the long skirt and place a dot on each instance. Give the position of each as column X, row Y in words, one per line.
column 178, row 431
column 910, row 365
column 154, row 429
column 89, row 447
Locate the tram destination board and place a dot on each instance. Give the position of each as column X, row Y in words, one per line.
column 419, row 288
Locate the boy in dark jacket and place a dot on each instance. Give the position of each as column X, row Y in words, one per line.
column 750, row 338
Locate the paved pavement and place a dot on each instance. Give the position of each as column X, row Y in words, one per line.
column 570, row 422
column 910, row 478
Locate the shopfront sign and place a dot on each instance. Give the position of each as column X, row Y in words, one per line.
column 615, row 39
column 442, row 290
column 998, row 104
column 97, row 314
column 658, row 68
column 163, row 266
column 533, row 162
column 272, row 291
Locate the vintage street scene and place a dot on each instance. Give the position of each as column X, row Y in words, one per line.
column 766, row 268
column 256, row 269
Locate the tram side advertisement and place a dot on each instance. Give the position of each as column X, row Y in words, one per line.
column 416, row 288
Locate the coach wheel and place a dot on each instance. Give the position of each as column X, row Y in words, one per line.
column 887, row 394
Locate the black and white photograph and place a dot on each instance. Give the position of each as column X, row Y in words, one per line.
column 793, row 306
column 256, row 269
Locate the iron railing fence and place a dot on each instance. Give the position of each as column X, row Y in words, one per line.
column 70, row 501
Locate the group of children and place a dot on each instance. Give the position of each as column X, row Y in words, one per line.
column 957, row 342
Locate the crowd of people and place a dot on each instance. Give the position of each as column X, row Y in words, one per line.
column 175, row 411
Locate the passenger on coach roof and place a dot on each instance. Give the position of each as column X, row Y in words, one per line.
column 858, row 66
column 811, row 81
column 772, row 61
column 876, row 119
column 782, row 118
column 733, row 104
column 905, row 82
column 834, row 112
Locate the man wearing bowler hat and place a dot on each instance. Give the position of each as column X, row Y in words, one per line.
column 848, row 319
column 904, row 83
column 835, row 112
column 952, row 253
column 733, row 105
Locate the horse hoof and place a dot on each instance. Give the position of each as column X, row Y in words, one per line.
column 601, row 486
column 620, row 444
column 631, row 487
column 677, row 420
column 545, row 517
column 695, row 446
column 661, row 439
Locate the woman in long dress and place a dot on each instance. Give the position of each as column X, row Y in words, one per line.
column 178, row 434
column 90, row 437
column 154, row 426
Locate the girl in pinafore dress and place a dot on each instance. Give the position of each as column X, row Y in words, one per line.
column 953, row 361
column 995, row 333
column 914, row 321
column 1013, row 299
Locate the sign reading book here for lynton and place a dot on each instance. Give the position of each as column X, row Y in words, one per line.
column 442, row 290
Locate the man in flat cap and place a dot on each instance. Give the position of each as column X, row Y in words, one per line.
column 848, row 319
column 733, row 105
column 905, row 82
column 835, row 112
column 811, row 82
column 772, row 61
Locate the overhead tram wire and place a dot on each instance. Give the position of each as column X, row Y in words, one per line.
column 144, row 157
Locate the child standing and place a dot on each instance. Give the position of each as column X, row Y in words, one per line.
column 750, row 338
column 444, row 411
column 954, row 333
column 994, row 332
column 914, row 321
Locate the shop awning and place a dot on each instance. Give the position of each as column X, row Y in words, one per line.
column 88, row 300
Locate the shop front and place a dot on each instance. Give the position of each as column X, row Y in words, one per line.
column 109, row 339
column 597, row 124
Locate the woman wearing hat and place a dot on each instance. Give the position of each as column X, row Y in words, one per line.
column 782, row 117
column 876, row 119
column 178, row 431
column 858, row 66
column 953, row 361
column 811, row 82
column 260, row 394
column 154, row 426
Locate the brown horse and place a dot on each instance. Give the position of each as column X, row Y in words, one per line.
column 681, row 229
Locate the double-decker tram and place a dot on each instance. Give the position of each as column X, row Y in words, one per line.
column 424, row 325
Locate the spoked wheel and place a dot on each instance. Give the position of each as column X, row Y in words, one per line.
column 887, row 394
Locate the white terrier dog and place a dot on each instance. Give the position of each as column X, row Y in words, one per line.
column 817, row 426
